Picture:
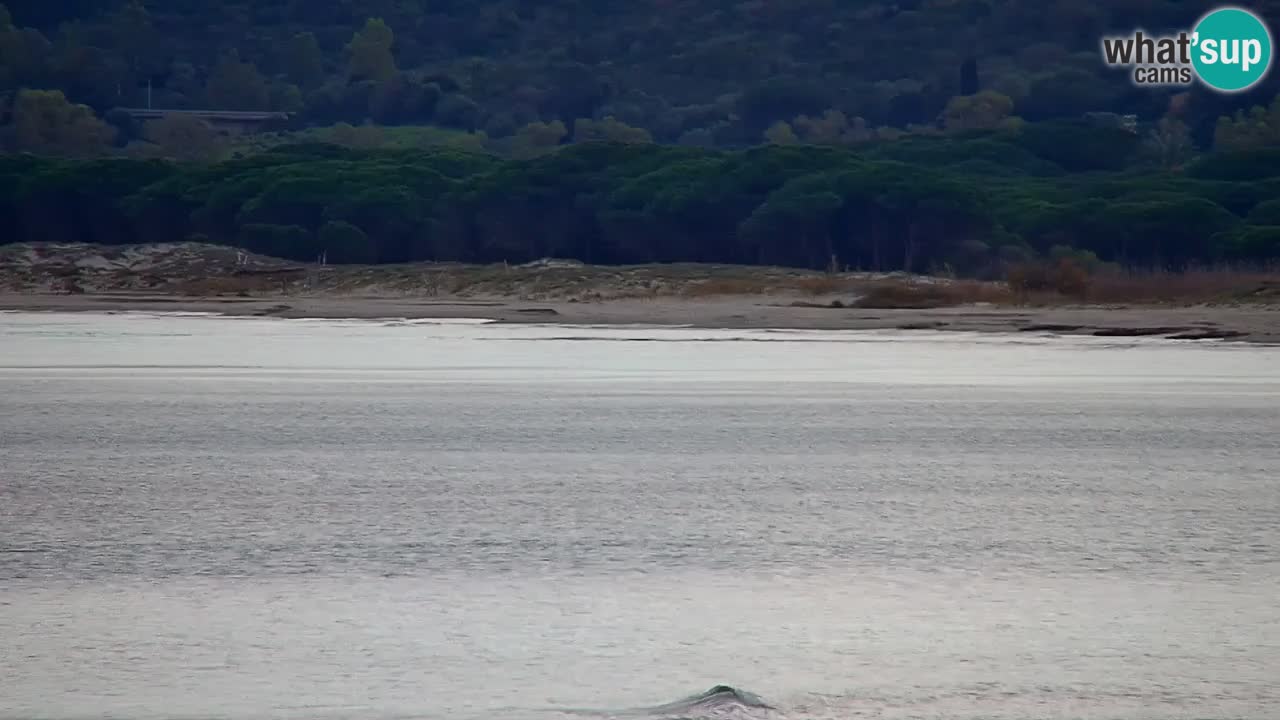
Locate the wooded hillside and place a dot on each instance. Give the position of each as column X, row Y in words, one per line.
column 694, row 72
column 922, row 135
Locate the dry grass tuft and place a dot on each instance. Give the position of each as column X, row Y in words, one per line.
column 241, row 286
column 811, row 285
column 824, row 285
column 728, row 286
column 898, row 294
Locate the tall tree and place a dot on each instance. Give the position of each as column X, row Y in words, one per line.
column 237, row 85
column 1258, row 128
column 24, row 53
column 369, row 52
column 133, row 36
column 303, row 61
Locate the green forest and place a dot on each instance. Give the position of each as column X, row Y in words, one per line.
column 968, row 204
column 923, row 135
column 690, row 72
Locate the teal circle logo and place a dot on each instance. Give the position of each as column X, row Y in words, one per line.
column 1231, row 49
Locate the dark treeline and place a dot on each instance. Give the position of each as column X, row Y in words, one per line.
column 969, row 204
column 707, row 73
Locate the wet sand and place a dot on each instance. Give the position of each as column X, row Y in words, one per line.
column 1249, row 323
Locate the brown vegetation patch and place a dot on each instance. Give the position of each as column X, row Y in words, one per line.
column 897, row 294
column 1191, row 286
column 728, row 286
column 1066, row 281
column 239, row 285
column 825, row 284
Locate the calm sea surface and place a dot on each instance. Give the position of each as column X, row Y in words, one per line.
column 253, row 518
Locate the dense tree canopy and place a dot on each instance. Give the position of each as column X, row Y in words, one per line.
column 698, row 72
column 967, row 204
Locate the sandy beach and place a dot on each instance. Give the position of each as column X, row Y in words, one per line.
column 193, row 277
column 1250, row 323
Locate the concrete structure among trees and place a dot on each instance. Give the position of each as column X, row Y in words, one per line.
column 231, row 121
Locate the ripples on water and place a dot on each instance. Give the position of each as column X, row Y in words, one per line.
column 248, row 518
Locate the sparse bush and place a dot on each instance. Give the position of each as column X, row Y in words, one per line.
column 1026, row 278
column 1065, row 275
column 1070, row 279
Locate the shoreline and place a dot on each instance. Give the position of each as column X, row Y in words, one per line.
column 1245, row 323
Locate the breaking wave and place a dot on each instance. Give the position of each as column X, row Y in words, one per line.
column 718, row 698
column 721, row 701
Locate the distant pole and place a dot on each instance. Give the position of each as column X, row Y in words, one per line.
column 148, row 93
